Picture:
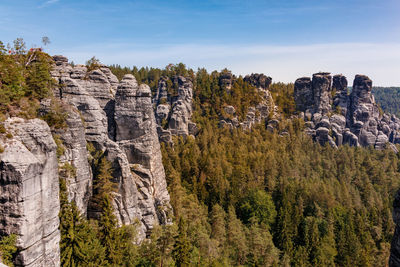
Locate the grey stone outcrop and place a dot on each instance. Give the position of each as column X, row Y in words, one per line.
column 118, row 119
column 75, row 155
column 264, row 112
column 30, row 192
column 352, row 119
column 259, row 80
column 136, row 134
column 173, row 108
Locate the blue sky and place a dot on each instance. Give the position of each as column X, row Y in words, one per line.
column 285, row 39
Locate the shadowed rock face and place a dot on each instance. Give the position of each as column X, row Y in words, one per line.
column 350, row 119
column 259, row 80
column 314, row 95
column 303, row 94
column 321, row 84
column 340, row 98
column 29, row 192
column 226, row 80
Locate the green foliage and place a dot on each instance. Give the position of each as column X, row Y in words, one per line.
column 8, row 249
column 24, row 79
column 79, row 243
column 388, row 99
column 182, row 247
column 56, row 117
column 297, row 202
column 60, row 146
column 259, row 206
column 92, row 64
column 283, row 95
column 1, row 149
column 68, row 170
column 95, row 243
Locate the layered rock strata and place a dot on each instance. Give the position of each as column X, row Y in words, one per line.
column 118, row 119
column 29, row 192
column 136, row 134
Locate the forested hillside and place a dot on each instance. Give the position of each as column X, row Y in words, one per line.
column 239, row 197
column 388, row 98
column 255, row 198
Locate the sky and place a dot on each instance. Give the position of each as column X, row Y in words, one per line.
column 285, row 39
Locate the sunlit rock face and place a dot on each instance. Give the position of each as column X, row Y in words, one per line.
column 117, row 118
column 334, row 116
column 29, row 192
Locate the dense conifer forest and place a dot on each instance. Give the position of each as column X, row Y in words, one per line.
column 240, row 198
column 388, row 98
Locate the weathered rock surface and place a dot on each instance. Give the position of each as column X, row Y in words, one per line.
column 136, row 134
column 75, row 155
column 29, row 192
column 173, row 112
column 265, row 111
column 226, row 79
column 118, row 119
column 259, row 80
column 351, row 119
column 303, row 94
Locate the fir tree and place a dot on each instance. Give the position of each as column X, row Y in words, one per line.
column 182, row 248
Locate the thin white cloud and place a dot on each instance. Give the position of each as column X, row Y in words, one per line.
column 283, row 63
column 49, row 2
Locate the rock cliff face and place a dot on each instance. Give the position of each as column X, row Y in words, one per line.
column 174, row 111
column 29, row 192
column 118, row 119
column 136, row 134
column 333, row 116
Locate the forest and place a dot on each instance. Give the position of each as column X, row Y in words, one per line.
column 254, row 198
column 388, row 98
column 240, row 198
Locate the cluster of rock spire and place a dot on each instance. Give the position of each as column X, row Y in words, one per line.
column 333, row 114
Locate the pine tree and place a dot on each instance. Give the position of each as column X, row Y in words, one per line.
column 79, row 245
column 182, row 247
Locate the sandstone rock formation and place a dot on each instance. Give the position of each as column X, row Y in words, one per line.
column 226, row 79
column 265, row 111
column 344, row 119
column 136, row 134
column 173, row 108
column 29, row 192
column 118, row 119
column 259, row 80
column 76, row 155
